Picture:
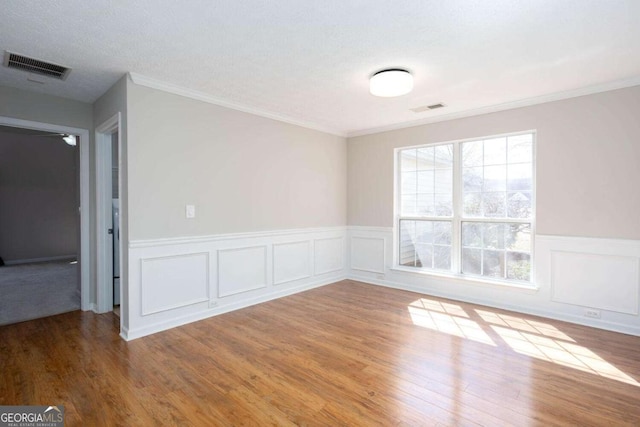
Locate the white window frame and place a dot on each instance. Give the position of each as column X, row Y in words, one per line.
column 457, row 218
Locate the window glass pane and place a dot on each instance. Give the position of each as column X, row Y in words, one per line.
column 520, row 177
column 472, row 178
column 518, row 266
column 442, row 257
column 520, row 148
column 493, row 237
column 471, row 261
column 408, row 182
column 424, row 231
column 426, row 205
column 407, row 243
column 518, row 237
column 473, row 204
column 442, row 233
column 444, row 156
column 408, row 205
column 495, row 178
column 493, row 204
column 417, row 248
column 443, row 205
column 425, row 158
column 425, row 182
column 519, row 204
column 493, row 263
column 407, row 160
column 506, row 250
column 495, row 151
column 472, row 153
column 424, row 253
column 444, row 181
column 472, row 234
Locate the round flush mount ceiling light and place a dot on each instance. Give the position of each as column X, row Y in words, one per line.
column 391, row 82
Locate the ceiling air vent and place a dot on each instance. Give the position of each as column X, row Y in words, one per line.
column 24, row 63
column 427, row 107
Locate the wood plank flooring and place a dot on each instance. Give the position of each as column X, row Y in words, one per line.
column 347, row 354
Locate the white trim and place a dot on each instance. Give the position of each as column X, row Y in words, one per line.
column 141, row 80
column 370, row 229
column 85, row 246
column 148, row 243
column 558, row 96
column 104, row 279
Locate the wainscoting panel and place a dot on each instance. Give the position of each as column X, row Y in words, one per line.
column 241, row 270
column 291, row 261
column 174, row 281
column 599, row 281
column 328, row 255
column 368, row 254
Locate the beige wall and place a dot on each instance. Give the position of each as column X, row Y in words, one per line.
column 110, row 103
column 588, row 163
column 38, row 197
column 25, row 105
column 242, row 172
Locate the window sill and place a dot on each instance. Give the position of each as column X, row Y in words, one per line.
column 467, row 279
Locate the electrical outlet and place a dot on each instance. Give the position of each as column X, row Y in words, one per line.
column 593, row 313
column 190, row 211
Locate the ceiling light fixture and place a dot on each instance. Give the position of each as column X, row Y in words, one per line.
column 70, row 139
column 391, row 82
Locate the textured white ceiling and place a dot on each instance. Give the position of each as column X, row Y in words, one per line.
column 309, row 61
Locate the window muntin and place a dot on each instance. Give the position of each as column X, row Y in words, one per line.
column 488, row 215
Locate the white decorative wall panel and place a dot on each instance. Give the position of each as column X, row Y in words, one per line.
column 328, row 255
column 600, row 281
column 173, row 281
column 291, row 261
column 241, row 270
column 367, row 254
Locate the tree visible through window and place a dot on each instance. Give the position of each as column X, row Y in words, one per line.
column 467, row 207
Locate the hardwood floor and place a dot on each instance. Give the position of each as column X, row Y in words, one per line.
column 344, row 354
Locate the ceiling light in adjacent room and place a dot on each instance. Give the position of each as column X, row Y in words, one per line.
column 70, row 139
column 392, row 82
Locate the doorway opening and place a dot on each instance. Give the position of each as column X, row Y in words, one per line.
column 46, row 203
column 108, row 222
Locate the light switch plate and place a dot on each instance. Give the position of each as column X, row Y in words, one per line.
column 190, row 211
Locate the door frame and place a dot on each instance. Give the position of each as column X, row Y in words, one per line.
column 104, row 251
column 85, row 245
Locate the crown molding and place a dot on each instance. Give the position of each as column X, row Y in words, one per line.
column 558, row 96
column 149, row 82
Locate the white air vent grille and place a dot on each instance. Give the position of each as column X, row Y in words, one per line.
column 24, row 63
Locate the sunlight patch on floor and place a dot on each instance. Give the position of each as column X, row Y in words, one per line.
column 524, row 336
column 447, row 318
column 561, row 352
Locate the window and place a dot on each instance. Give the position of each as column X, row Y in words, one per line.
column 467, row 207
